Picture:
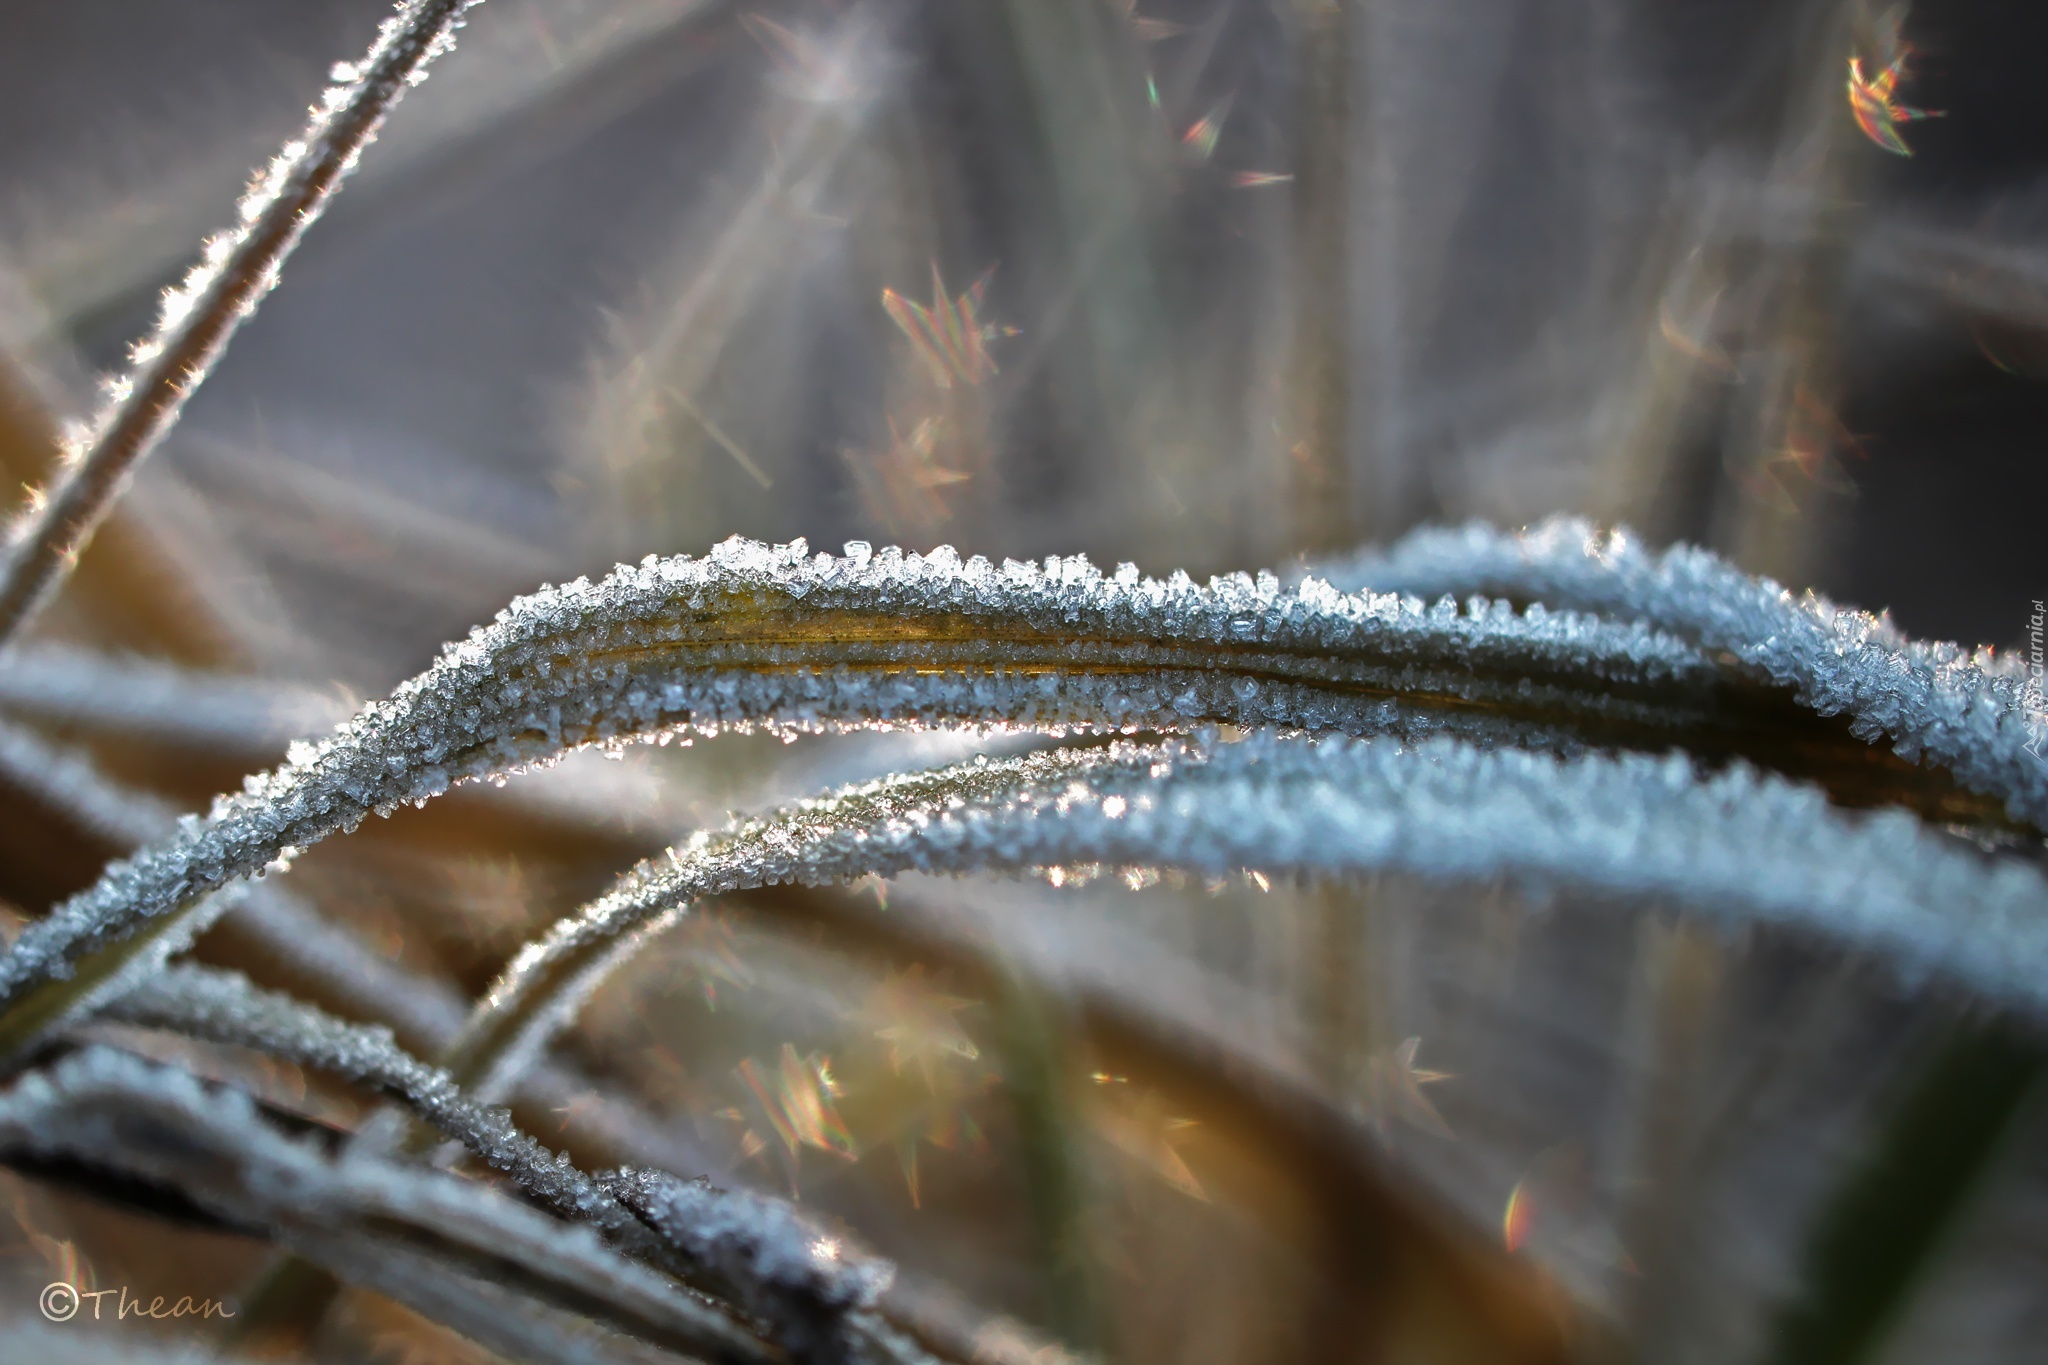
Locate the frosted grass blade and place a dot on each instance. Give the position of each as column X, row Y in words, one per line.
column 1740, row 847
column 199, row 317
column 1966, row 710
column 753, row 635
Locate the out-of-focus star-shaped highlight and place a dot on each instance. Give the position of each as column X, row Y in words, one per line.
column 950, row 337
column 1393, row 1089
column 1137, row 1123
column 1873, row 101
column 799, row 1102
column 916, row 1021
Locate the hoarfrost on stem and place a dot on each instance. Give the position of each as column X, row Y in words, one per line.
column 1965, row 709
column 787, row 1268
column 1740, row 846
column 754, row 635
column 199, row 317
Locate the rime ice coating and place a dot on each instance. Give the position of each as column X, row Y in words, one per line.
column 1967, row 710
column 754, row 1246
column 757, row 635
column 68, row 781
column 839, row 836
column 751, row 635
column 1742, row 847
column 799, row 1276
column 312, row 951
column 287, row 928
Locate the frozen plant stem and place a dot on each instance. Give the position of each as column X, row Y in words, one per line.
column 752, row 635
column 1964, row 710
column 753, row 1246
column 224, row 1007
column 1737, row 846
column 199, row 317
column 396, row 1229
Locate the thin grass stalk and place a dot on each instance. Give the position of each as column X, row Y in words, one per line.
column 224, row 1007
column 220, row 713
column 1034, row 1035
column 1277, row 1107
column 1885, row 1225
column 201, row 316
column 764, row 1253
column 132, row 590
